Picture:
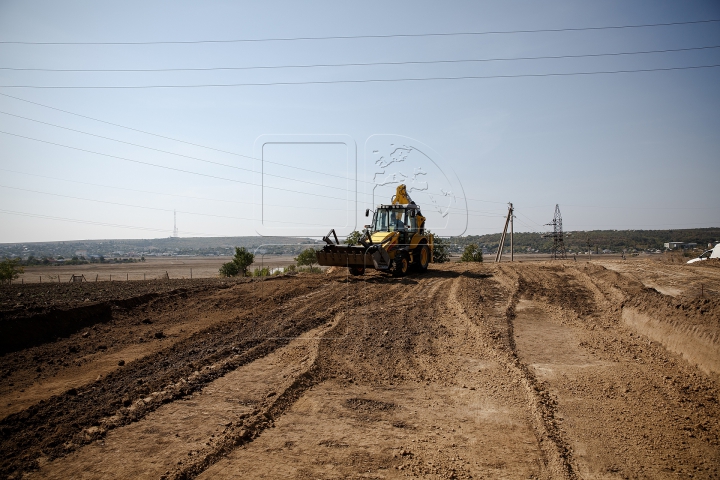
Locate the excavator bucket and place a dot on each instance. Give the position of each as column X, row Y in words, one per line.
column 354, row 256
column 344, row 256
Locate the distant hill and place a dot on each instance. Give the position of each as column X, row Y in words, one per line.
column 150, row 247
column 615, row 240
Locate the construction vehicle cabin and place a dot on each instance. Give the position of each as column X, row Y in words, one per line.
column 394, row 242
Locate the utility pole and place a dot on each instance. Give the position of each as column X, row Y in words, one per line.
column 512, row 234
column 508, row 221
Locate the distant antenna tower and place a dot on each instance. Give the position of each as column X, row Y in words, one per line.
column 558, row 250
column 175, row 231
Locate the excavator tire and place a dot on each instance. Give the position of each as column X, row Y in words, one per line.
column 422, row 257
column 401, row 265
column 356, row 270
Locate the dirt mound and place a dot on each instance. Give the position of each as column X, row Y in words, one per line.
column 20, row 300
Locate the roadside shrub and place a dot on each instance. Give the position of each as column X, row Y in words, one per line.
column 261, row 272
column 308, row 258
column 353, row 238
column 229, row 269
column 309, row 269
column 441, row 249
column 472, row 254
column 239, row 264
column 10, row 270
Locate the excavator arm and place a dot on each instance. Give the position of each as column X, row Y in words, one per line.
column 401, row 196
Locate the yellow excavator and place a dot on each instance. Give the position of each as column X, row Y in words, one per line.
column 395, row 241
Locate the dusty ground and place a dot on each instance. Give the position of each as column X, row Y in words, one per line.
column 525, row 370
column 152, row 268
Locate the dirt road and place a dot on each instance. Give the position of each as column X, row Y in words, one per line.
column 152, row 268
column 526, row 370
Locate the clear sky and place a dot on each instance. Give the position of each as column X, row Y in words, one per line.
column 304, row 154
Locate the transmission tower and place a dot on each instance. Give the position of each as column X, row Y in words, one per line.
column 175, row 230
column 558, row 250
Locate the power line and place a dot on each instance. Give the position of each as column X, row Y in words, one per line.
column 166, row 167
column 161, row 136
column 355, row 37
column 173, row 153
column 263, row 173
column 193, row 144
column 91, row 222
column 628, row 207
column 360, row 64
column 369, row 80
column 132, row 227
column 145, row 207
column 644, row 225
column 168, row 194
column 529, row 219
column 480, row 214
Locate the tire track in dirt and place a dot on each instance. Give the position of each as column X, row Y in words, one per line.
column 240, row 433
column 541, row 407
column 185, row 437
column 56, row 427
column 50, row 369
column 407, row 390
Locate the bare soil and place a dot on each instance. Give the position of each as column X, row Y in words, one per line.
column 153, row 268
column 515, row 370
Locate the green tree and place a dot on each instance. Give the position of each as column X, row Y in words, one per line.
column 472, row 254
column 229, row 269
column 353, row 238
column 10, row 270
column 239, row 264
column 441, row 248
column 307, row 257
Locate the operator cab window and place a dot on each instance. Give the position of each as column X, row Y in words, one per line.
column 381, row 221
column 412, row 224
column 396, row 220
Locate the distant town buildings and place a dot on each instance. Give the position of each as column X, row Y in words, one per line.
column 675, row 245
